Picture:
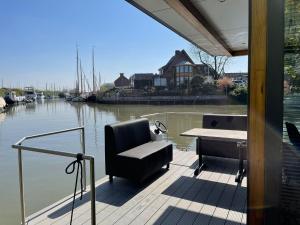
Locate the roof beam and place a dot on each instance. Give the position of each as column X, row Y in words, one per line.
column 240, row 52
column 191, row 14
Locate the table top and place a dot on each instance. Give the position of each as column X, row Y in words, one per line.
column 216, row 134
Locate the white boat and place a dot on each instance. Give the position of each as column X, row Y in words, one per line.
column 30, row 93
column 69, row 98
column 40, row 95
column 11, row 98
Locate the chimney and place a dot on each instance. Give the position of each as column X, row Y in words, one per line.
column 121, row 74
column 177, row 52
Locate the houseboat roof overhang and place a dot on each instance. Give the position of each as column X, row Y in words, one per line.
column 219, row 27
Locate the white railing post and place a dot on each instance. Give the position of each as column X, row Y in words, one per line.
column 83, row 151
column 21, row 186
column 93, row 194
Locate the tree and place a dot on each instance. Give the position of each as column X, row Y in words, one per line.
column 225, row 84
column 197, row 82
column 292, row 44
column 215, row 63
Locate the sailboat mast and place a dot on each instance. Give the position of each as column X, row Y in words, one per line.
column 81, row 78
column 77, row 71
column 99, row 81
column 94, row 73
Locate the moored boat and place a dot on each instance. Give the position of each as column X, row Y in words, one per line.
column 92, row 98
column 12, row 98
column 30, row 93
column 79, row 99
column 40, row 95
column 68, row 98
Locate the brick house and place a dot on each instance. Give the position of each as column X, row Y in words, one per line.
column 180, row 69
column 122, row 81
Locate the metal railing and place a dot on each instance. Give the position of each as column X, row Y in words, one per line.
column 21, row 147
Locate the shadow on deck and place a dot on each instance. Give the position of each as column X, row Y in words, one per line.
column 170, row 197
column 126, row 189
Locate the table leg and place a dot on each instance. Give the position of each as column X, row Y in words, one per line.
column 201, row 165
column 241, row 172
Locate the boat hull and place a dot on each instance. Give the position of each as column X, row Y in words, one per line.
column 9, row 101
column 92, row 98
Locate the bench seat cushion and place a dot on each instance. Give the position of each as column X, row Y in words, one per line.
column 145, row 150
column 142, row 161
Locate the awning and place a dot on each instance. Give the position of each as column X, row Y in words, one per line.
column 219, row 27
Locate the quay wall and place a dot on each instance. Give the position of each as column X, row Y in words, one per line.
column 168, row 100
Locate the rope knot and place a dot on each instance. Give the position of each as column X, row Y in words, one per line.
column 69, row 170
column 79, row 157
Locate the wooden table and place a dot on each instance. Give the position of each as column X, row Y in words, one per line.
column 240, row 137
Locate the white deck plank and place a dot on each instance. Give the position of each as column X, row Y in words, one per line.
column 236, row 212
column 85, row 207
column 174, row 197
column 208, row 208
column 223, row 207
column 164, row 211
column 182, row 204
column 135, row 211
column 81, row 214
column 138, row 199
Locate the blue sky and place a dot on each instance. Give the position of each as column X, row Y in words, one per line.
column 38, row 41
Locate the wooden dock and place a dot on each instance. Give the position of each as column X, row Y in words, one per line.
column 171, row 197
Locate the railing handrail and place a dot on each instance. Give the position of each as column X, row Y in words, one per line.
column 50, row 152
column 21, row 147
column 47, row 134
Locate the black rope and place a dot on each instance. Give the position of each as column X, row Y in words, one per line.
column 68, row 171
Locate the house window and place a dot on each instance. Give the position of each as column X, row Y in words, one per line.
column 181, row 69
column 186, row 69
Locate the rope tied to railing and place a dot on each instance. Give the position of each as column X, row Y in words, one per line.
column 79, row 158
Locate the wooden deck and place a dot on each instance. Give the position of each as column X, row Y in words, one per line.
column 172, row 197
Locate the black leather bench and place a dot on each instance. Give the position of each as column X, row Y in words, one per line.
column 130, row 153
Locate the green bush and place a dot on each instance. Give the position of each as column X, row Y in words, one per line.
column 240, row 94
column 199, row 86
column 2, row 92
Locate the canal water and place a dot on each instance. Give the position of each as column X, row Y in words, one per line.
column 44, row 176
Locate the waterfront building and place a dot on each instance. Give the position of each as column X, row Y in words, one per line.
column 122, row 81
column 159, row 81
column 141, row 80
column 242, row 76
column 180, row 70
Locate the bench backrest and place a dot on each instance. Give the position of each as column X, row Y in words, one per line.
column 123, row 136
column 225, row 121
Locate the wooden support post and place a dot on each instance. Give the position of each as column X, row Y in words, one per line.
column 265, row 110
column 256, row 122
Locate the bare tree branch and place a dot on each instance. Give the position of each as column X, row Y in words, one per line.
column 216, row 64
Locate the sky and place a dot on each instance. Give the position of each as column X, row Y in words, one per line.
column 38, row 40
